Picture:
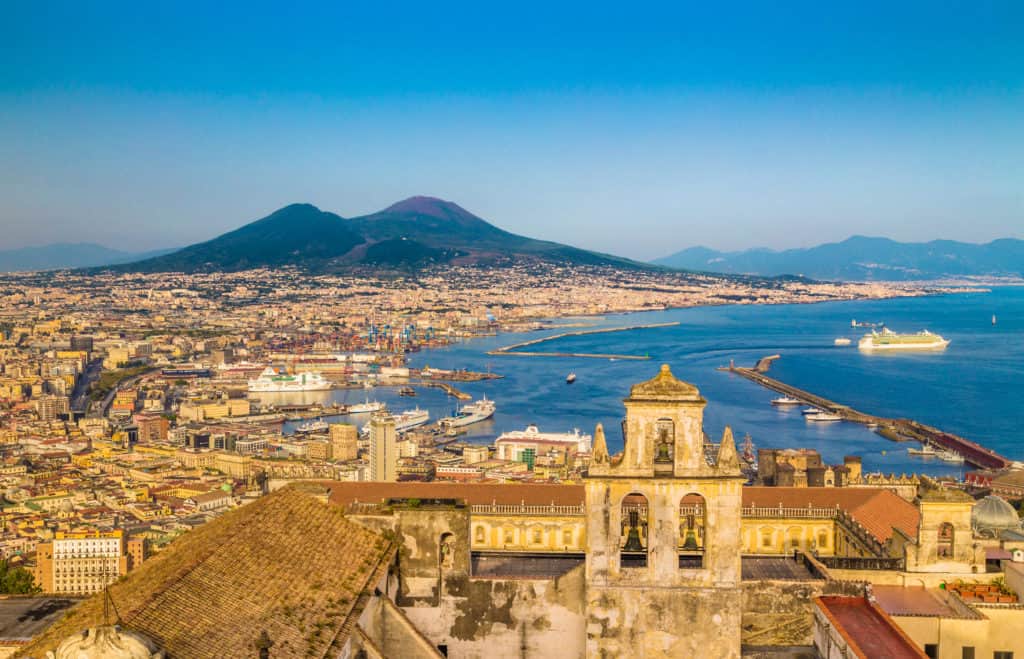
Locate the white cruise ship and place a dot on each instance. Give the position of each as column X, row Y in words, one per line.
column 470, row 413
column 510, row 445
column 275, row 380
column 363, row 408
column 405, row 421
column 889, row 340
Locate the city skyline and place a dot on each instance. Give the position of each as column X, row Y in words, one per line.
column 149, row 128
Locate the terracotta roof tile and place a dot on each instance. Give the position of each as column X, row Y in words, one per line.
column 877, row 510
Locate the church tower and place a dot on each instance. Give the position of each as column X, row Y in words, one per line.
column 663, row 532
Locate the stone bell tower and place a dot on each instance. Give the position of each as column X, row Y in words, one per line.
column 663, row 532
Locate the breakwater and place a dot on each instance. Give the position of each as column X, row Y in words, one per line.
column 894, row 429
column 514, row 349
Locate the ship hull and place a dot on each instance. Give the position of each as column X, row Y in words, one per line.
column 871, row 346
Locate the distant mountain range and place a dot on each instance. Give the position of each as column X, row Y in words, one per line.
column 68, row 255
column 860, row 258
column 416, row 232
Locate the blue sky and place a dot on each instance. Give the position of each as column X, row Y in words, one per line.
column 635, row 129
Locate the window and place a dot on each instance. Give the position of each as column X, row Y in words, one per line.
column 944, row 546
column 567, row 537
column 967, row 652
column 1002, row 654
column 536, row 536
column 932, row 650
column 766, row 540
column 480, row 534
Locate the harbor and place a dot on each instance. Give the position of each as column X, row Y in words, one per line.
column 899, row 430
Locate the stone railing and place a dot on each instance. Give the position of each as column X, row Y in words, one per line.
column 861, row 563
column 776, row 512
column 550, row 510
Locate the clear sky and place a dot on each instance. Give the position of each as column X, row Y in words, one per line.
column 631, row 128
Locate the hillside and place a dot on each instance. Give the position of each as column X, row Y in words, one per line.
column 412, row 233
column 861, row 258
column 67, row 255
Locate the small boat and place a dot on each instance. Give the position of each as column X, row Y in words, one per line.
column 823, row 416
column 993, row 319
column 571, row 378
column 926, row 449
column 950, row 456
column 842, row 341
column 406, row 391
column 785, row 400
column 812, row 410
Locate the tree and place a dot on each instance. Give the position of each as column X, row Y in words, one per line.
column 16, row 580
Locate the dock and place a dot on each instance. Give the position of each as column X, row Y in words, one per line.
column 893, row 429
column 514, row 348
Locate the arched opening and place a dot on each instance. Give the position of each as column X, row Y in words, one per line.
column 664, row 446
column 944, row 545
column 692, row 536
column 633, row 540
column 446, row 551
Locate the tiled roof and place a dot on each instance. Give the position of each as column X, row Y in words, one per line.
column 913, row 601
column 531, row 494
column 867, row 629
column 877, row 510
column 285, row 563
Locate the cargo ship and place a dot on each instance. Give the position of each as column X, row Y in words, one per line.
column 889, row 340
column 278, row 380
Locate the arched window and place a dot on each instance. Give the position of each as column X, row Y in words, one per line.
column 692, row 535
column 944, row 545
column 446, row 550
column 633, row 538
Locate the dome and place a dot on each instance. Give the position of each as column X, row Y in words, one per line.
column 993, row 514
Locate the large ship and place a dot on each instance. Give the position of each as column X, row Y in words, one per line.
column 889, row 340
column 273, row 379
column 405, row 420
column 510, row 444
column 363, row 408
column 469, row 414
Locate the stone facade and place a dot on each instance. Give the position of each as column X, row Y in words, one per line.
column 673, row 590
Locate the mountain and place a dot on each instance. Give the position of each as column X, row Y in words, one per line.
column 412, row 233
column 861, row 258
column 295, row 233
column 67, row 255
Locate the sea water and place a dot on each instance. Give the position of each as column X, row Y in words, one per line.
column 973, row 388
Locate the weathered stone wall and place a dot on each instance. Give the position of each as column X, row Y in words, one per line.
column 781, row 613
column 649, row 622
column 505, row 618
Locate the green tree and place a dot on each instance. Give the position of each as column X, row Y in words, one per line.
column 16, row 580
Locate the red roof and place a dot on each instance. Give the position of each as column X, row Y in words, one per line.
column 877, row 510
column 531, row 494
column 868, row 630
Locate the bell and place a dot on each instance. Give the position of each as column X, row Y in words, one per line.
column 633, row 537
column 690, row 544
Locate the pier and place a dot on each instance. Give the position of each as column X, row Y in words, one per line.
column 514, row 348
column 894, row 429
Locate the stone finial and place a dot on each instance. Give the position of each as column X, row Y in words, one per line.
column 600, row 445
column 727, row 458
column 665, row 387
